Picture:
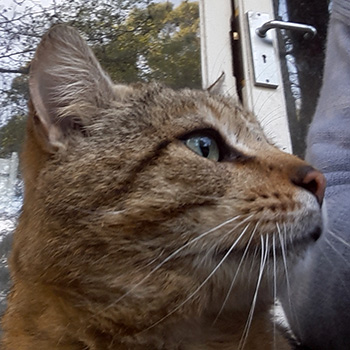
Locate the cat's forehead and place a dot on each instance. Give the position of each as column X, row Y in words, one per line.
column 229, row 118
column 181, row 112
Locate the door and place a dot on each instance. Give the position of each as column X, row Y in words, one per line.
column 278, row 77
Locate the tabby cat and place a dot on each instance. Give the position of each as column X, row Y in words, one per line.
column 152, row 218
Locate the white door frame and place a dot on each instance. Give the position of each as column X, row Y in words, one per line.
column 267, row 103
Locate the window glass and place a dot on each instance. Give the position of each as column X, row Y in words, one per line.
column 302, row 62
column 135, row 40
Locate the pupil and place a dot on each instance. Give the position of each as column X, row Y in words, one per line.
column 204, row 144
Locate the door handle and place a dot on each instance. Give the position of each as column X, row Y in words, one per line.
column 309, row 31
column 264, row 55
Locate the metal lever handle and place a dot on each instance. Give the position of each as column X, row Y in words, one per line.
column 310, row 31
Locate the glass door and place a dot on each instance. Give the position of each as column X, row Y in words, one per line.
column 279, row 76
column 302, row 62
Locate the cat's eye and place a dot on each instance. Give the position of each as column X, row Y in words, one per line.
column 204, row 145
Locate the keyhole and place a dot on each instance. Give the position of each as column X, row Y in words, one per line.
column 264, row 58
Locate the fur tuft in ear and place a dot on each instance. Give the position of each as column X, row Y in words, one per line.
column 66, row 82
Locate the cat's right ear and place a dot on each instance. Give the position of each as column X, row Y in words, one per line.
column 66, row 85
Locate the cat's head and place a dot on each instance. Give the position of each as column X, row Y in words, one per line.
column 136, row 193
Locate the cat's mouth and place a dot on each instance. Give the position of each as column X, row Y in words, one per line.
column 306, row 239
column 316, row 233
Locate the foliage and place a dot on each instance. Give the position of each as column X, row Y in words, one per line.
column 155, row 42
column 135, row 40
column 168, row 43
column 24, row 22
column 12, row 135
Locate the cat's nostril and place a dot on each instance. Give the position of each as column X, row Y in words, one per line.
column 312, row 180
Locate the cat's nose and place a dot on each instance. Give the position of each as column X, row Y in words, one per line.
column 312, row 180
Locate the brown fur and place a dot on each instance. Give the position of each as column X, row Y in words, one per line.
column 111, row 192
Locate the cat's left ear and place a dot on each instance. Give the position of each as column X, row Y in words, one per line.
column 66, row 85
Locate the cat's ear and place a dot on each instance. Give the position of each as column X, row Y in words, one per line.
column 215, row 88
column 66, row 84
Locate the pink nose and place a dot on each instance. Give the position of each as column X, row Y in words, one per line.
column 312, row 180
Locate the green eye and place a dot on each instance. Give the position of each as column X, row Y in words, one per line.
column 205, row 146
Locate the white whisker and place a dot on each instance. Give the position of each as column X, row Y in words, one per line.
column 340, row 277
column 281, row 239
column 236, row 274
column 223, row 237
column 264, row 254
column 284, row 258
column 172, row 255
column 252, row 259
column 274, row 287
column 111, row 212
column 337, row 251
column 204, row 282
column 339, row 238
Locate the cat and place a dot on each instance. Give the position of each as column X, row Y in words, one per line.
column 152, row 218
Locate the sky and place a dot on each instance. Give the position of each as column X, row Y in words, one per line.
column 16, row 7
column 6, row 225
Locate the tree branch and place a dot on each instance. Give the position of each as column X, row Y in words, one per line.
column 17, row 53
column 24, row 70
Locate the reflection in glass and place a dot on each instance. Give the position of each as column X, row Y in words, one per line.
column 302, row 63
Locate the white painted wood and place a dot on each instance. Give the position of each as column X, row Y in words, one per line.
column 216, row 52
column 268, row 104
column 217, row 57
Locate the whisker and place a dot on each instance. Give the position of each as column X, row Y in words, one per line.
column 339, row 238
column 337, row 251
column 282, row 242
column 213, row 248
column 284, row 258
column 252, row 259
column 273, row 115
column 110, row 212
column 274, row 267
column 340, row 277
column 236, row 274
column 264, row 254
column 172, row 255
column 204, row 282
column 255, row 103
column 274, row 287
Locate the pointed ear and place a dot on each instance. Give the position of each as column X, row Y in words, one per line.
column 66, row 85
